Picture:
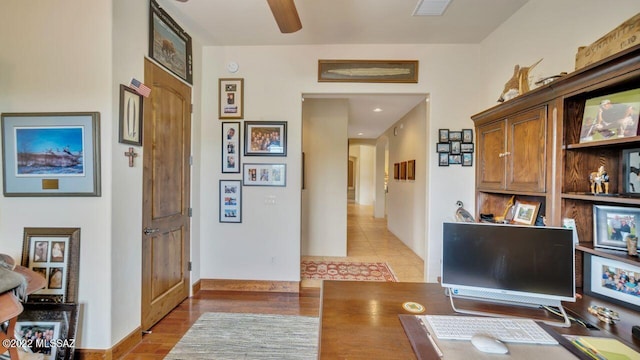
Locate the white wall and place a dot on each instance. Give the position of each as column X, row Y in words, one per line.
column 324, row 199
column 52, row 64
column 365, row 180
column 407, row 198
column 380, row 169
column 266, row 246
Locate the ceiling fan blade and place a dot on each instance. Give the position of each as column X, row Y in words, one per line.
column 286, row 15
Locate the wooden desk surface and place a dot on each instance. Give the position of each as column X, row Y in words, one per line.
column 359, row 319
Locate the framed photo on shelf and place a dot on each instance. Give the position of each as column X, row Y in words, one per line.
column 611, row 116
column 612, row 280
column 411, row 170
column 443, row 159
column 169, row 45
column 265, row 174
column 230, row 147
column 230, row 201
column 58, row 321
column 55, row 254
column 611, row 224
column 265, row 138
column 130, row 116
column 467, row 136
column 631, row 172
column 525, row 212
column 443, row 135
column 51, row 154
column 231, row 100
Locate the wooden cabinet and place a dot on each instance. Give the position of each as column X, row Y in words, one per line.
column 529, row 148
column 511, row 152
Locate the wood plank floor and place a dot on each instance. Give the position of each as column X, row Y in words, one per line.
column 368, row 241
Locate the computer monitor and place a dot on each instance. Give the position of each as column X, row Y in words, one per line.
column 523, row 265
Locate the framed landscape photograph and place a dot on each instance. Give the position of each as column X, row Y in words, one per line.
column 55, row 254
column 231, row 100
column 265, row 138
column 130, row 116
column 443, row 135
column 230, row 201
column 379, row 71
column 467, row 136
column 56, row 323
column 467, row 159
column 169, row 45
column 455, row 159
column 631, row 172
column 230, row 147
column 455, row 135
column 526, row 212
column 265, row 174
column 443, row 159
column 611, row 224
column 611, row 116
column 444, row 147
column 51, row 154
column 612, row 280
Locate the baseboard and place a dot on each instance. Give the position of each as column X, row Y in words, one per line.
column 196, row 287
column 250, row 285
column 116, row 352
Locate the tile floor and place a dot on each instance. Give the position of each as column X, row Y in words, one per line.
column 368, row 240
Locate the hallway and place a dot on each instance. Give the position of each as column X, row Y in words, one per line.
column 368, row 240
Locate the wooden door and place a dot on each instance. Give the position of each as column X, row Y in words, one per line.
column 491, row 156
column 166, row 192
column 526, row 148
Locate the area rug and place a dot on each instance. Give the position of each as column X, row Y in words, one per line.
column 356, row 271
column 249, row 336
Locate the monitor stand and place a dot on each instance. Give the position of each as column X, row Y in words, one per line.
column 566, row 323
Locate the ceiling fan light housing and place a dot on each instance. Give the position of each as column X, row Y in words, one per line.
column 286, row 15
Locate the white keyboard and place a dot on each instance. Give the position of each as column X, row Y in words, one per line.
column 512, row 330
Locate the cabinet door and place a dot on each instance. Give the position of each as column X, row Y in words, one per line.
column 491, row 161
column 526, row 151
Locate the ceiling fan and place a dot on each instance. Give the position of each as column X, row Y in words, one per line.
column 285, row 13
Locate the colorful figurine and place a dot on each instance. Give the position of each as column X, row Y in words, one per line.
column 598, row 179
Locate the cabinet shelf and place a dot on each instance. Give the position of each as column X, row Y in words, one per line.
column 605, row 143
column 611, row 199
column 618, row 255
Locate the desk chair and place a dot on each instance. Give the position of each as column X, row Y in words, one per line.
column 16, row 282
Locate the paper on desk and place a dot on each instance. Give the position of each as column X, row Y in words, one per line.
column 612, row 349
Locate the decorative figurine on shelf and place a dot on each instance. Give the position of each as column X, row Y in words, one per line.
column 518, row 84
column 598, row 179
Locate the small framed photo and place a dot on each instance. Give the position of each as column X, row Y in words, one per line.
column 231, row 100
column 130, row 116
column 612, row 280
column 403, row 170
column 230, row 201
column 54, row 253
column 455, row 159
column 526, row 212
column 467, row 159
column 57, row 325
column 455, row 135
column 455, row 147
column 265, row 138
column 265, row 174
column 443, row 135
column 467, row 136
column 443, row 159
column 612, row 224
column 230, row 147
column 411, row 170
column 466, row 148
column 443, row 147
column 631, row 172
column 396, row 171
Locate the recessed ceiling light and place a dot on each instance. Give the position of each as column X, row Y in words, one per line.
column 360, row 133
column 377, row 109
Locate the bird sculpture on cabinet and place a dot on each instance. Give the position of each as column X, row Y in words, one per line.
column 518, row 84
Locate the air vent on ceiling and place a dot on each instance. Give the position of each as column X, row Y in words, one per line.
column 431, row 7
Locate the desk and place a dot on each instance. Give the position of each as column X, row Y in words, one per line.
column 359, row 319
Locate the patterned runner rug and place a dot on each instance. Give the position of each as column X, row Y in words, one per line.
column 249, row 336
column 355, row 271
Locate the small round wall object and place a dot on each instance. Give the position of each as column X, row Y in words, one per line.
column 233, row 67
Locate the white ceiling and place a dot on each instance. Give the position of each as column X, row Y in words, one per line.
column 250, row 22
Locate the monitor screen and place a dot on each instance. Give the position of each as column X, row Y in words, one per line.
column 520, row 263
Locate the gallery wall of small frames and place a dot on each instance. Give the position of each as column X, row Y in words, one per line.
column 455, row 147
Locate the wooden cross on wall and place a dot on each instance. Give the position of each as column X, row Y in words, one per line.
column 131, row 155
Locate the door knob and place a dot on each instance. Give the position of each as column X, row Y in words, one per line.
column 148, row 231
